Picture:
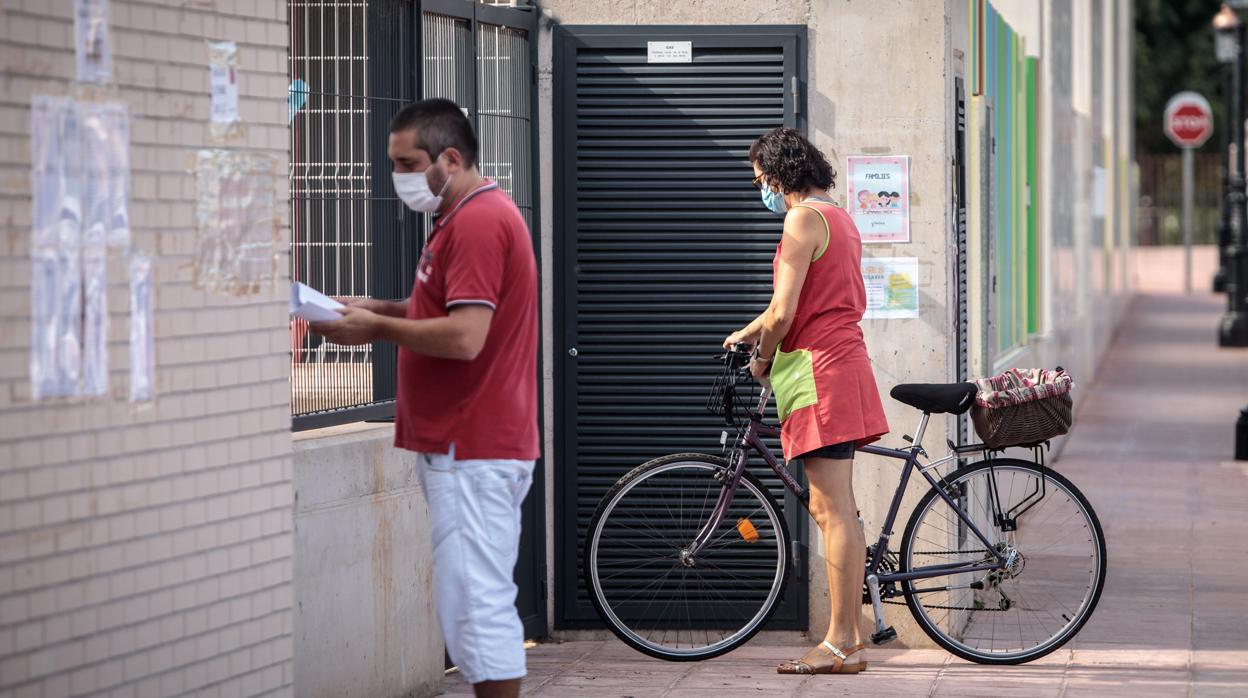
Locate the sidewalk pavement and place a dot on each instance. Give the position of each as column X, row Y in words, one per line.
column 1152, row 451
column 1160, row 269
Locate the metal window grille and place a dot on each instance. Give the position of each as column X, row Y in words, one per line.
column 497, row 96
column 447, row 68
column 504, row 122
column 345, row 85
column 353, row 64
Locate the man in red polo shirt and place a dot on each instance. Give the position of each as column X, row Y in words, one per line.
column 467, row 387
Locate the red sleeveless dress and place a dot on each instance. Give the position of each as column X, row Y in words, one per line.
column 821, row 376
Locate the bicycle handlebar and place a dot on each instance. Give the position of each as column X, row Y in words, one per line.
column 736, row 358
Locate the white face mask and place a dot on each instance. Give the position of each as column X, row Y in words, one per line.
column 413, row 189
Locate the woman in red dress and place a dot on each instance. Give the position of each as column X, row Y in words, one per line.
column 809, row 344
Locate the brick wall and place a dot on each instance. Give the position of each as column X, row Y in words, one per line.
column 148, row 552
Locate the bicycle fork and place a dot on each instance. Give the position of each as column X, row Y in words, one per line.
column 731, row 480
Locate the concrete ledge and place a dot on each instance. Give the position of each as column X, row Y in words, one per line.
column 365, row 623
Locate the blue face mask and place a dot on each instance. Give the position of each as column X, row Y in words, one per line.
column 773, row 201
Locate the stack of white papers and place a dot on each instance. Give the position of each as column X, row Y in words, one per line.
column 310, row 304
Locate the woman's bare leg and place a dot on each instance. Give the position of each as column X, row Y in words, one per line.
column 836, row 513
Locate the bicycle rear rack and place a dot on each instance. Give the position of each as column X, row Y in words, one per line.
column 1007, row 520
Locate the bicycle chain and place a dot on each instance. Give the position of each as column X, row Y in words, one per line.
column 943, row 607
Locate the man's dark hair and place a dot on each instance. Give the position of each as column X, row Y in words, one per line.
column 439, row 124
column 792, row 162
column 894, row 195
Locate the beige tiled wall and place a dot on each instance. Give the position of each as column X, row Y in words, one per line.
column 148, row 552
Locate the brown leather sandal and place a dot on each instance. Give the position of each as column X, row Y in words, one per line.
column 838, row 667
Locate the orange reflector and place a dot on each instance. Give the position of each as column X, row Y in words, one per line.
column 747, row 530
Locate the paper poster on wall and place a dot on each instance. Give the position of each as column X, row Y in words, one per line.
column 95, row 319
column 56, row 327
column 92, row 45
column 56, row 172
column 892, row 287
column 142, row 345
column 106, row 168
column 879, row 197
column 80, row 184
column 223, row 77
column 55, row 252
column 237, row 229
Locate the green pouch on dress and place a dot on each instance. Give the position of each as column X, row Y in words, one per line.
column 793, row 381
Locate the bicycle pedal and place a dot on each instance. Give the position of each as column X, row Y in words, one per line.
column 884, row 636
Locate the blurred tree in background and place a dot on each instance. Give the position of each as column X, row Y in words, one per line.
column 1173, row 52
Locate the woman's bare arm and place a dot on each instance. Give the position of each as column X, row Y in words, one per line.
column 803, row 234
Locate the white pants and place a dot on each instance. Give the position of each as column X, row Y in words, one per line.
column 474, row 515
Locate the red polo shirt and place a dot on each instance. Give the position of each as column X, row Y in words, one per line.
column 480, row 252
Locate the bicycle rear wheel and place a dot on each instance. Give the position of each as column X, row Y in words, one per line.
column 663, row 604
column 1049, row 587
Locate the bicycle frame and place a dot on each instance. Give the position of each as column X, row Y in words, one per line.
column 752, row 439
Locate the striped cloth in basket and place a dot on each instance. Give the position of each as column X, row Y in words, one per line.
column 1021, row 385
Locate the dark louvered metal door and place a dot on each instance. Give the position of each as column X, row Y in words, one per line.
column 961, row 287
column 662, row 248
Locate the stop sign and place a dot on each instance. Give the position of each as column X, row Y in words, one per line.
column 1188, row 120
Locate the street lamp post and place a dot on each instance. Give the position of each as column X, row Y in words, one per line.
column 1229, row 33
column 1225, row 51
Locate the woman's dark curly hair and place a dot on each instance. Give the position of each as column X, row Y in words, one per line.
column 791, row 162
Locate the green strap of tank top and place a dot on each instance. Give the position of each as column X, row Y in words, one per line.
column 827, row 231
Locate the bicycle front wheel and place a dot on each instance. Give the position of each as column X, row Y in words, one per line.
column 663, row 602
column 1054, row 571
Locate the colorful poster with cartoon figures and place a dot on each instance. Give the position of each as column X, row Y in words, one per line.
column 892, row 287
column 879, row 197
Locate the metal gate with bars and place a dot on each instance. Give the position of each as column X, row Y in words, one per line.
column 1161, row 198
column 353, row 65
column 357, row 62
column 663, row 249
column 346, row 84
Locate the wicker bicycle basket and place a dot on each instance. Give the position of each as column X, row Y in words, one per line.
column 1023, row 407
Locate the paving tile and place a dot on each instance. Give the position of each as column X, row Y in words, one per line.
column 1201, row 691
column 1230, row 679
column 1221, row 661
column 729, row 681
column 996, row 690
column 1134, row 684
column 1128, row 657
column 732, row 690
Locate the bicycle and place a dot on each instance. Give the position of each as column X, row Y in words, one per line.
column 1016, row 552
